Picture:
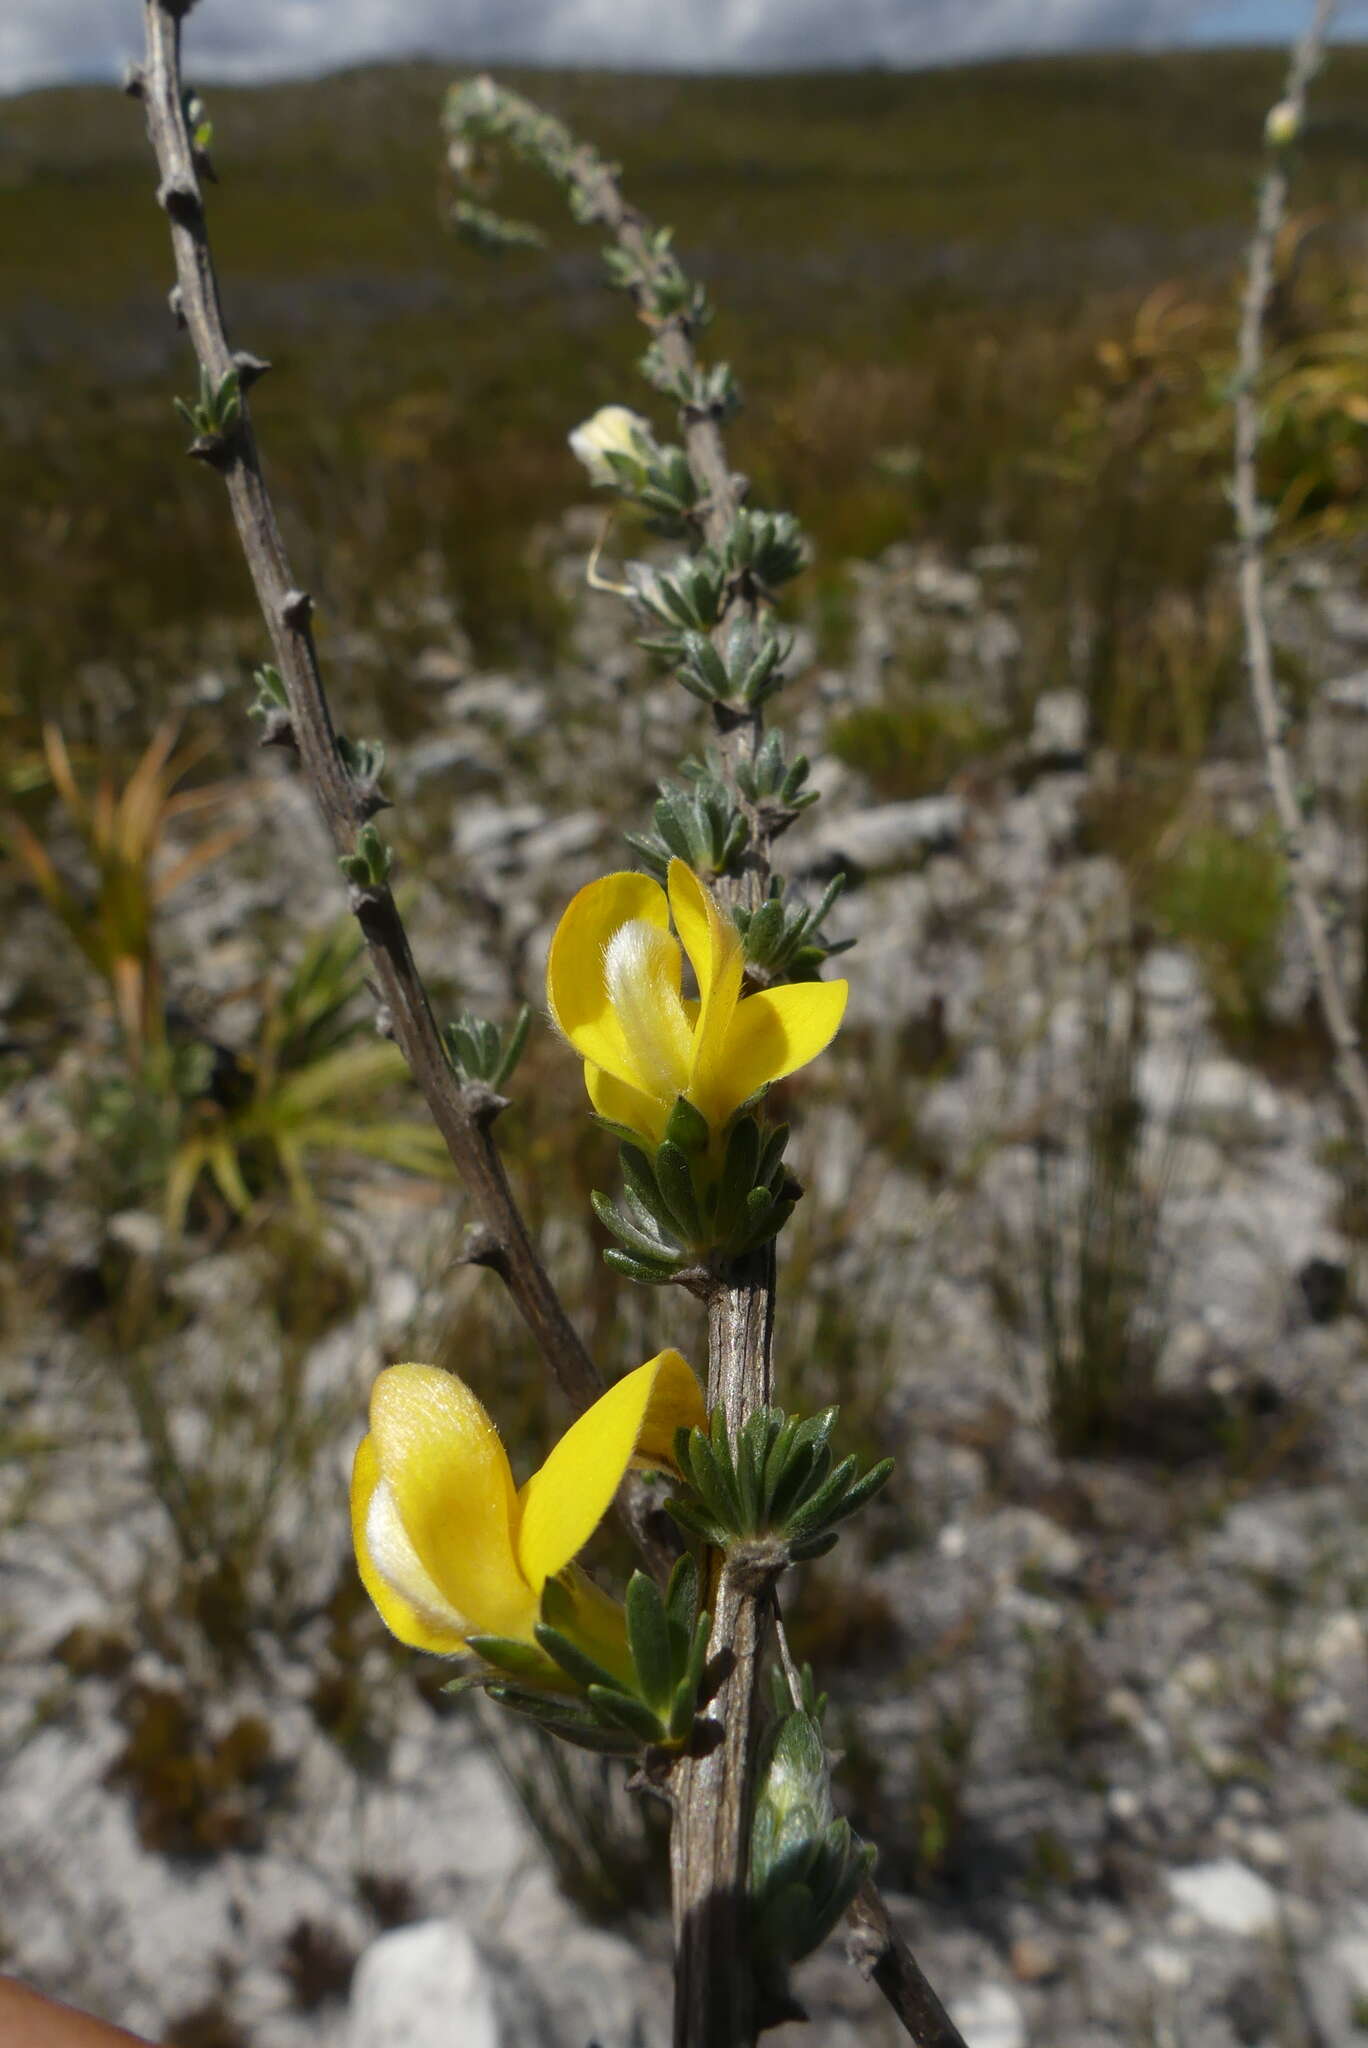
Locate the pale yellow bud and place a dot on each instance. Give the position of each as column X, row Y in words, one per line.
column 614, row 430
column 1282, row 125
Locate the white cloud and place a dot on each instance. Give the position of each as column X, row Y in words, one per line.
column 46, row 40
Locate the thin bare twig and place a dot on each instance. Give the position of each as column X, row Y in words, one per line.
column 876, row 1948
column 463, row 1113
column 1250, row 522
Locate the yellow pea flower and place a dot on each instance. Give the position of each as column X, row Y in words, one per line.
column 448, row 1548
column 614, row 984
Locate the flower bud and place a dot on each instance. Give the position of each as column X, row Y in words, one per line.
column 614, row 430
column 1282, row 125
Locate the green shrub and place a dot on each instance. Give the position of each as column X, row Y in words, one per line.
column 913, row 749
column 1223, row 895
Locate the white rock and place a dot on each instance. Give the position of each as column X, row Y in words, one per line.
column 989, row 2017
column 1227, row 1895
column 437, row 668
column 1350, row 1951
column 890, row 836
column 1346, row 617
column 1170, row 978
column 423, row 1987
column 1059, row 728
column 1267, row 1847
column 1341, row 1648
column 943, row 589
column 1168, row 1966
column 1123, row 1804
column 515, row 708
column 138, row 1232
column 487, row 831
column 447, row 758
column 1220, row 1100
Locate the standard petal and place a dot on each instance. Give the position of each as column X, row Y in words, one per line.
column 440, row 1457
column 576, row 986
column 422, row 1629
column 619, row 1104
column 564, row 1503
column 772, row 1034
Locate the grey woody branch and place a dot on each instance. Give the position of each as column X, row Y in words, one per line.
column 463, row 1112
column 1283, row 126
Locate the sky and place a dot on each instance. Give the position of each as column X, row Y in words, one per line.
column 50, row 41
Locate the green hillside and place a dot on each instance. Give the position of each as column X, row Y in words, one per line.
column 916, row 263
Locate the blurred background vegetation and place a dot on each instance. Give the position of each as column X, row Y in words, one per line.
column 940, row 290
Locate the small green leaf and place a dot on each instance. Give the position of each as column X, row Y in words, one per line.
column 676, row 1186
column 648, row 1636
column 688, row 1127
column 562, row 1719
column 681, row 1595
column 574, row 1661
column 632, row 1714
column 518, row 1659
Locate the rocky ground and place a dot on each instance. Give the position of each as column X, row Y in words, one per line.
column 1105, row 1713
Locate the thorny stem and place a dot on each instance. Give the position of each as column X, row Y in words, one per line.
column 463, row 1114
column 1349, row 1067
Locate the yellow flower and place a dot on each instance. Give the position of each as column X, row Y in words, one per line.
column 446, row 1546
column 614, row 985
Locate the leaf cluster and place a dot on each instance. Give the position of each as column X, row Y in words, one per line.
column 479, row 1050
column 697, row 822
column 213, row 416
column 784, row 939
column 767, row 546
column 651, row 1707
column 806, row 1866
column 679, row 1208
column 775, row 1479
column 737, row 675
column 369, row 867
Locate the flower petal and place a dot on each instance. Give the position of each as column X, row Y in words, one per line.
column 420, row 1628
column 576, row 984
column 642, row 970
column 447, row 1476
column 619, row 1104
column 713, row 945
column 564, row 1503
column 772, row 1034
column 676, row 1403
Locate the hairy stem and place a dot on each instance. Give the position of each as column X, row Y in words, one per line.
column 715, row 1999
column 1250, row 522
column 709, row 1844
